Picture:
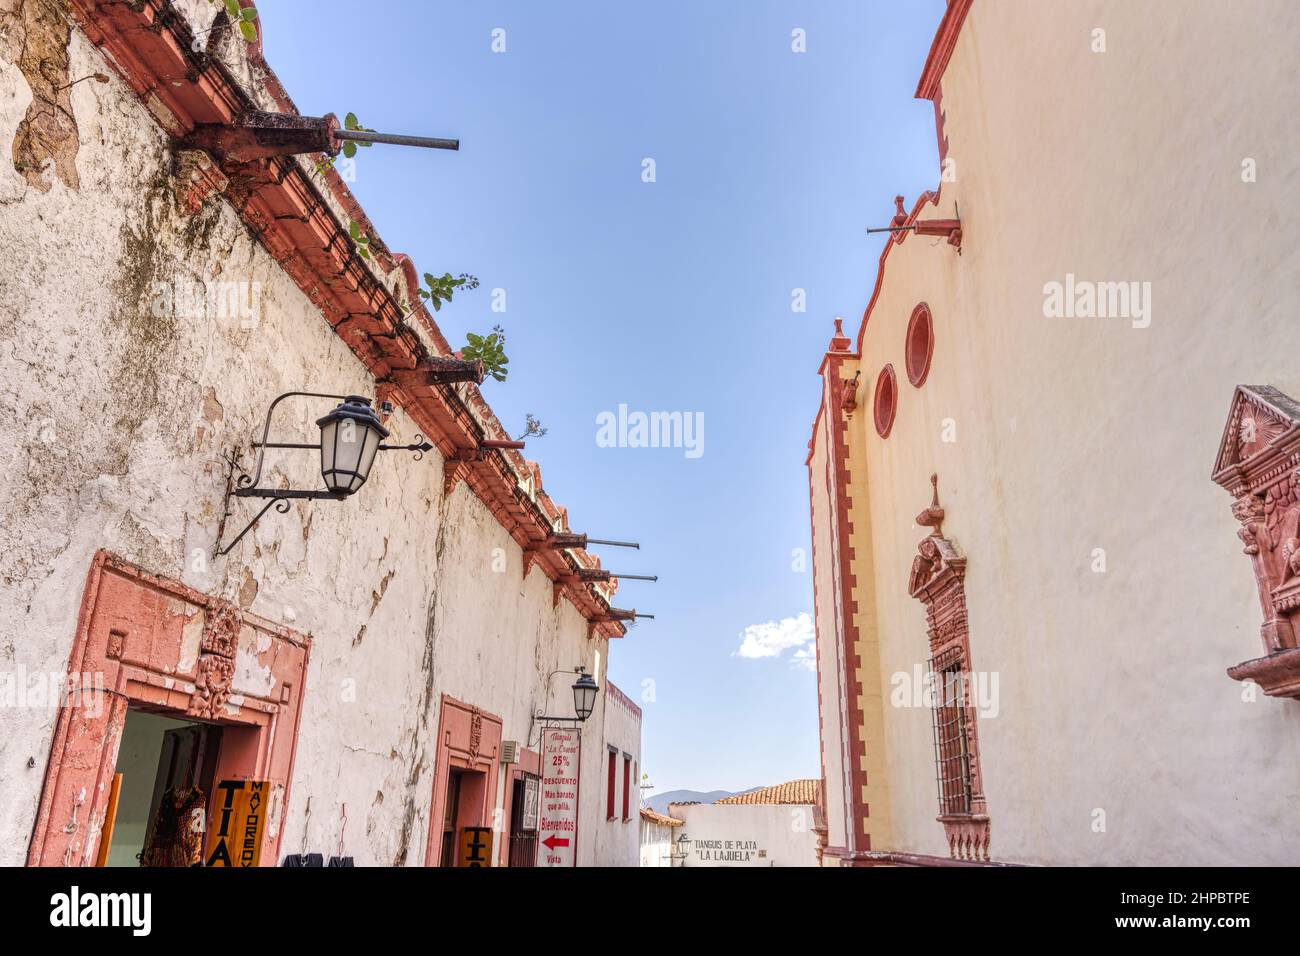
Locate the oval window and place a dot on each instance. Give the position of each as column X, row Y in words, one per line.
column 886, row 403
column 919, row 347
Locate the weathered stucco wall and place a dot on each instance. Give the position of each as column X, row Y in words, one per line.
column 113, row 422
column 1077, row 434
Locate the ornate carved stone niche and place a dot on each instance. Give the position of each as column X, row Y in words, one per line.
column 938, row 580
column 1259, row 465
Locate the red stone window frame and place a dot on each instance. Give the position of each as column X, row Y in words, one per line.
column 885, row 404
column 919, row 344
column 938, row 580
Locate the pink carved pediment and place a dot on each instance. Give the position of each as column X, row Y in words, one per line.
column 938, row 564
column 1259, row 465
column 1262, row 434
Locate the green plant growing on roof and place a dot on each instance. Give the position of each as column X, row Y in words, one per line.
column 440, row 289
column 349, row 146
column 361, row 240
column 490, row 350
column 244, row 16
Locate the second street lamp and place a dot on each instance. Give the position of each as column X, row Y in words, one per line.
column 584, row 696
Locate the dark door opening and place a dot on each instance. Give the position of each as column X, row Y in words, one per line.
column 168, row 769
column 524, row 804
column 451, row 813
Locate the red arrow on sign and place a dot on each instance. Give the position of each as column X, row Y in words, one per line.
column 552, row 841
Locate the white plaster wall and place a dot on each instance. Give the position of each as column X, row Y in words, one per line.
column 783, row 832
column 1078, row 434
column 112, row 427
column 656, row 844
column 618, row 840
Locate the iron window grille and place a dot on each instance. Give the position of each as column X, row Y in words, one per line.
column 951, row 740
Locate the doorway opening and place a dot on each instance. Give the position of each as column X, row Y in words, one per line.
column 462, row 807
column 167, row 769
column 524, row 804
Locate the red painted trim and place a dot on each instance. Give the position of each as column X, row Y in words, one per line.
column 856, row 723
column 945, row 41
column 613, row 784
column 627, row 788
column 896, row 858
column 620, row 698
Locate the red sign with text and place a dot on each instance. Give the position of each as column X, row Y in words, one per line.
column 561, row 762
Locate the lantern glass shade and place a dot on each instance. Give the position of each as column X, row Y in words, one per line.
column 349, row 440
column 584, row 696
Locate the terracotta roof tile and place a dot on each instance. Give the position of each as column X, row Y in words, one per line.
column 659, row 818
column 795, row 791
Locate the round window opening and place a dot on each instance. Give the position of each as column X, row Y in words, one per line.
column 920, row 344
column 886, row 403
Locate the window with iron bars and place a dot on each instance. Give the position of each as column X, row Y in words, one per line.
column 951, row 742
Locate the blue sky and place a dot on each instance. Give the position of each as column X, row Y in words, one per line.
column 673, row 295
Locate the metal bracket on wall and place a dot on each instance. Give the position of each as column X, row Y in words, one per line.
column 246, row 485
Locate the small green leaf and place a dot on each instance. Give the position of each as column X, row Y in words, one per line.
column 437, row 306
column 350, row 121
column 422, row 294
column 248, row 13
column 365, row 253
column 349, row 149
column 364, row 241
column 232, row 8
column 248, row 30
column 355, row 229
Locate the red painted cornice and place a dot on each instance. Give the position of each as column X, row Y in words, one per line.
column 290, row 211
column 945, row 40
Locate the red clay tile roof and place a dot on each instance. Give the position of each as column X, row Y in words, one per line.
column 652, row 816
column 795, row 791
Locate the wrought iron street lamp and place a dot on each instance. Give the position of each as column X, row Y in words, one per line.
column 350, row 437
column 585, row 690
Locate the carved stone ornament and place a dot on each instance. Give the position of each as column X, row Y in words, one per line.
column 1259, row 465
column 475, row 735
column 216, row 664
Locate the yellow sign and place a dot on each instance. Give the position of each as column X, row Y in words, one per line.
column 239, row 818
column 476, row 846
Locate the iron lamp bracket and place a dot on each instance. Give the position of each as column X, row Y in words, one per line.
column 242, row 484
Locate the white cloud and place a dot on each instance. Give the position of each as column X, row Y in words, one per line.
column 776, row 637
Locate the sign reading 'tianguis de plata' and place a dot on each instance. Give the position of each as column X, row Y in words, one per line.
column 557, row 836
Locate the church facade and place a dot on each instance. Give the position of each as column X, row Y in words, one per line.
column 1053, row 473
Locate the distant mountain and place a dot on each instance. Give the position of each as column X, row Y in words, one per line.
column 659, row 802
